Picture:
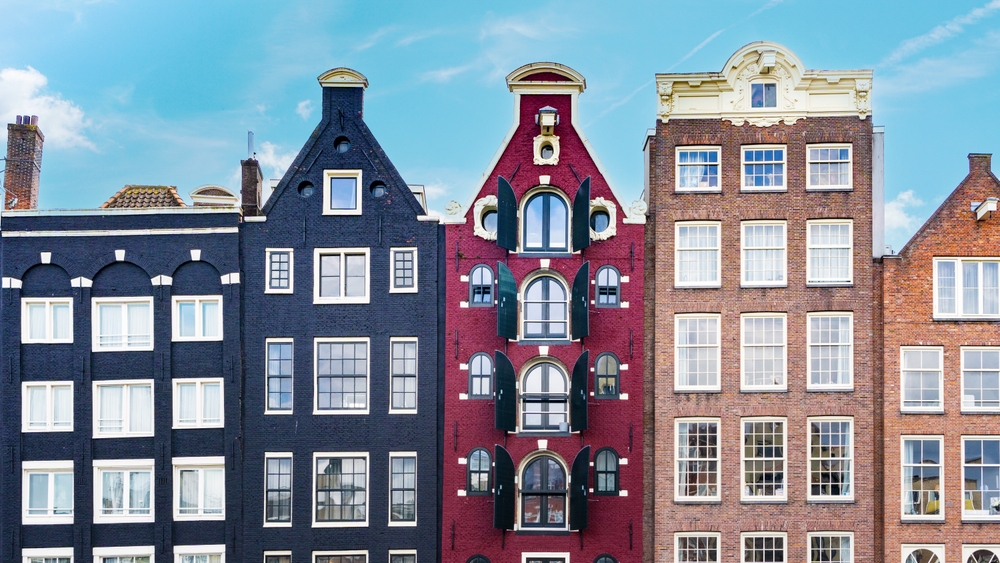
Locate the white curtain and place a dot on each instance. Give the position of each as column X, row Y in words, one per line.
column 212, row 413
column 110, row 325
column 210, row 319
column 991, row 293
column 185, row 319
column 189, row 491
column 140, row 403
column 36, row 321
column 188, row 407
column 138, row 493
column 112, row 492
column 36, row 407
column 38, row 493
column 62, row 324
column 138, row 324
column 62, row 406
column 110, row 411
column 215, row 491
column 63, row 501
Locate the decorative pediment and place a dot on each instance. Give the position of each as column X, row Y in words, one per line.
column 342, row 76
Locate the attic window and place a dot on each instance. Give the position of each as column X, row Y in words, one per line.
column 764, row 95
column 378, row 189
column 547, row 151
column 342, row 144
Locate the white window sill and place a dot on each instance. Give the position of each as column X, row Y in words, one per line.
column 412, row 524
column 341, row 412
column 829, row 500
column 829, row 283
column 979, row 410
column 764, row 500
column 27, row 430
column 697, row 500
column 977, row 518
column 715, row 285
column 831, row 388
column 697, row 190
column 769, row 189
column 70, row 341
column 117, row 519
column 123, row 349
column 196, row 426
column 921, row 519
column 195, row 517
column 402, row 411
column 776, row 389
column 278, row 291
column 196, row 339
column 277, row 525
column 342, row 211
column 403, row 290
column 935, row 410
column 103, row 436
column 697, row 389
column 287, row 412
column 340, row 524
column 939, row 317
column 343, row 301
column 46, row 520
column 746, row 285
column 829, row 188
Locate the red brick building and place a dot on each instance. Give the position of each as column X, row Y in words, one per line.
column 543, row 354
column 942, row 394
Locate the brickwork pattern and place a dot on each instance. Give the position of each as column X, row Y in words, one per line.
column 23, row 166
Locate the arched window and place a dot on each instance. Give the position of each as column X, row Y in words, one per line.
column 606, row 472
column 983, row 556
column 479, row 472
column 922, row 556
column 478, row 559
column 546, row 224
column 543, row 494
column 606, row 372
column 608, row 287
column 764, row 95
column 481, row 376
column 545, row 309
column 481, row 286
column 544, row 398
column 605, row 559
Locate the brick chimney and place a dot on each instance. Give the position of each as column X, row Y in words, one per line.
column 250, row 189
column 977, row 161
column 24, row 163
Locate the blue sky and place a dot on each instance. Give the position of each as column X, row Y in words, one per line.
column 162, row 92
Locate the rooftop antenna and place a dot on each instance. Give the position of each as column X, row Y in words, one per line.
column 250, row 152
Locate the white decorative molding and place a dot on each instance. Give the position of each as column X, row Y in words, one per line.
column 461, row 492
column 599, row 203
column 665, row 90
column 46, row 257
column 120, row 255
column 483, row 205
column 196, row 254
column 231, row 278
column 543, row 444
column 862, row 100
column 544, row 263
column 81, row 282
column 11, row 283
column 463, row 396
column 552, row 140
column 636, row 213
column 453, row 208
column 162, row 280
column 342, row 77
column 544, row 180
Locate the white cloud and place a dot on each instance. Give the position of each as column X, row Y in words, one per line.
column 63, row 122
column 418, row 36
column 304, row 109
column 941, row 33
column 896, row 216
column 446, row 74
column 373, row 39
column 272, row 159
column 938, row 72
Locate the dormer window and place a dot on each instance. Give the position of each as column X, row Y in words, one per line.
column 546, row 224
column 342, row 192
column 764, row 95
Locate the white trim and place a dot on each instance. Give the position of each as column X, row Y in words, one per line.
column 267, row 359
column 902, row 383
column 358, row 192
column 834, row 534
column 199, row 383
column 342, row 252
column 11, row 283
column 743, row 254
column 941, row 479
column 211, row 549
column 81, row 282
column 907, row 548
column 783, row 162
column 810, row 282
column 48, row 302
column 119, row 255
column 969, row 548
column 810, row 386
column 783, row 498
column 525, row 555
column 416, row 483
column 718, row 254
column 416, row 375
column 368, row 375
column 45, row 257
column 199, row 301
column 162, row 280
column 49, row 406
column 971, row 407
column 50, row 468
column 126, row 413
column 696, row 534
column 136, row 550
column 121, row 232
column 368, row 489
column 764, row 534
column 850, row 162
column 341, row 552
column 808, row 472
column 255, row 219
column 274, row 553
column 412, row 552
column 123, row 465
column 267, row 270
column 773, row 388
column 200, row 464
column 677, row 460
column 392, row 270
column 966, row 517
column 698, row 148
column 47, row 551
column 291, row 489
column 96, row 302
column 678, row 387
column 959, row 286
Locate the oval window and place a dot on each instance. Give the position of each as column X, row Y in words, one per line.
column 599, row 221
column 342, row 144
column 306, row 189
column 378, row 189
column 490, row 221
column 547, row 151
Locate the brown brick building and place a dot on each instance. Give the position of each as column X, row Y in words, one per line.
column 761, row 360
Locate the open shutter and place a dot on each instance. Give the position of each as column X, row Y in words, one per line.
column 505, row 394
column 580, row 305
column 578, row 490
column 506, row 215
column 507, row 303
column 581, row 216
column 578, row 393
column 504, row 495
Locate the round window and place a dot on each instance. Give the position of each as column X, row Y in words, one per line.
column 547, row 151
column 599, row 221
column 306, row 189
column 342, row 144
column 378, row 189
column 490, row 221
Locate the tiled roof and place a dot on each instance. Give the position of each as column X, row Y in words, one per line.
column 137, row 197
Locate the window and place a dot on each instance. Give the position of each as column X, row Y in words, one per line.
column 605, row 559
column 341, row 485
column 277, row 489
column 280, row 370
column 922, row 479
column 829, row 253
column 342, row 194
column 697, row 459
column 47, row 406
column 478, row 559
column 981, row 478
column 280, row 273
column 608, row 287
column 402, row 488
column 831, row 459
column 545, row 308
column 764, row 351
column 481, row 376
column 764, row 254
column 764, row 168
column 400, row 556
column 607, row 371
column 543, row 494
column 981, row 553
column 763, row 547
column 123, row 324
column 697, row 257
column 197, row 318
column 763, row 456
column 832, row 547
column 341, row 376
column 277, row 557
column 697, row 547
column 403, row 270
column 404, row 375
column 545, row 399
column 698, row 169
column 764, row 95
column 831, row 351
column 123, row 408
column 696, row 353
column 123, row 490
column 47, row 555
column 340, row 557
column 46, row 321
column 47, row 492
column 200, row 553
column 481, row 286
column 199, row 488
column 546, row 224
column 606, row 472
column 921, row 379
column 198, row 403
column 981, row 379
column 600, row 220
column 966, row 288
column 829, row 167
column 479, row 472
column 923, row 553
column 131, row 554
column 341, row 275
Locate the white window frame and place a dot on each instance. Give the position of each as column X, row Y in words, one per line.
column 744, row 387
column 49, row 468
column 403, row 340
column 830, row 534
column 678, row 387
column 316, row 554
column 941, row 479
column 123, row 465
column 279, row 553
column 764, row 534
column 318, row 252
column 810, row 386
column 716, row 535
column 677, row 251
column 126, row 408
column 330, row 174
column 907, row 548
column 131, row 551
column 49, row 325
column 783, row 162
column 291, row 270
column 368, row 490
column 49, row 407
column 902, row 386
column 526, row 555
column 969, row 548
column 744, row 249
column 697, row 148
column 200, row 464
column 966, row 517
column 850, row 163
column 808, row 472
column 743, row 484
column 412, row 552
column 765, row 107
column 279, row 455
column 718, row 460
column 198, row 317
column 392, row 270
column 810, row 281
column 214, row 549
column 200, row 398
column 368, row 376
column 959, row 305
column 96, row 302
column 416, row 486
column 267, row 358
column 971, row 407
column 54, row 552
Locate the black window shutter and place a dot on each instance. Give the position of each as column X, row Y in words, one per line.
column 507, row 303
column 506, row 215
column 504, row 495
column 505, row 394
column 578, row 393
column 581, row 216
column 580, row 305
column 578, row 490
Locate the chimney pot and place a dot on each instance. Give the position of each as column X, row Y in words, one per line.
column 251, row 186
column 19, row 120
column 979, row 161
column 24, row 163
column 34, row 120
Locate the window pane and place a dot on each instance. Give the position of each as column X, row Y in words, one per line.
column 403, row 269
column 921, row 477
column 185, row 319
column 970, row 288
column 341, row 489
column 62, row 406
column 763, row 459
column 763, row 351
column 697, row 352
column 404, row 375
column 139, row 489
column 139, row 325
column 356, row 285
column 557, row 223
column 140, row 408
column 188, row 501
column 329, row 275
column 946, row 287
column 63, row 498
column 981, row 379
column 831, row 458
column 38, row 493
column 36, row 321
column 280, row 270
column 697, row 459
column 214, row 491
column 342, row 375
column 111, row 418
column 921, row 379
column 188, row 403
column 111, row 326
column 343, row 193
column 212, row 397
column 112, row 492
column 698, row 254
column 210, row 319
column 279, row 376
column 37, row 407
column 698, row 169
column 763, row 254
column 697, row 549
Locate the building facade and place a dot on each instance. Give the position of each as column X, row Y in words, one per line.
column 542, row 452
